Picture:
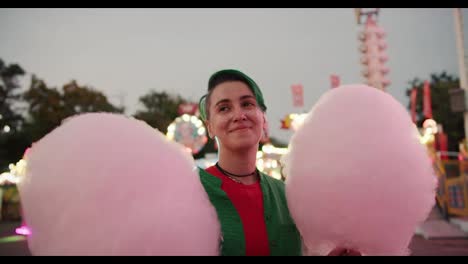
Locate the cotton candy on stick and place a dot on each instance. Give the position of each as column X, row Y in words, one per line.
column 357, row 176
column 105, row 184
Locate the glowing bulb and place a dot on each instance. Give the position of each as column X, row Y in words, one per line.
column 276, row 175
column 23, row 230
column 186, row 117
column 201, row 131
column 260, row 164
column 259, row 154
column 267, row 148
column 274, row 164
column 171, row 128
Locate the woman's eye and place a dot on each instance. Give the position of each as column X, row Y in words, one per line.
column 223, row 108
column 248, row 104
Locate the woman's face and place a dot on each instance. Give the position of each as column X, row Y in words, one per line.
column 235, row 117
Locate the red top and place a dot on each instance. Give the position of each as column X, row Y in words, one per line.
column 248, row 201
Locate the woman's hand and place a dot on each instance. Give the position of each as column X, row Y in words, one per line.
column 339, row 251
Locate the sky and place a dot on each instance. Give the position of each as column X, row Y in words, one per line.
column 125, row 53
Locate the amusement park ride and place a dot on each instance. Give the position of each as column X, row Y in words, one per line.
column 373, row 46
column 452, row 174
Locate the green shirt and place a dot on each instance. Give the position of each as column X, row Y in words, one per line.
column 283, row 237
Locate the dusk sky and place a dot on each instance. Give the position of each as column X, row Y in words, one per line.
column 125, row 53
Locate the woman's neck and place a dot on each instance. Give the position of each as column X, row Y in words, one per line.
column 240, row 163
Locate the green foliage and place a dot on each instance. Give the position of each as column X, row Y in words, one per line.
column 48, row 107
column 160, row 110
column 278, row 143
column 8, row 95
column 452, row 123
column 10, row 120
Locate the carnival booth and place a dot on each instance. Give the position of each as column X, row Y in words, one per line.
column 452, row 190
column 10, row 206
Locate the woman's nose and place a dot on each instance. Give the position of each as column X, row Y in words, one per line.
column 239, row 114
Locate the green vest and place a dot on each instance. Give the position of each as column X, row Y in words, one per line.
column 283, row 237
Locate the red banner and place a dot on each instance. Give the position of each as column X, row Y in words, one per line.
column 187, row 108
column 442, row 145
column 298, row 95
column 427, row 108
column 334, row 81
column 414, row 94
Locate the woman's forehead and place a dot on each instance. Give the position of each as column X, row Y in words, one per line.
column 230, row 90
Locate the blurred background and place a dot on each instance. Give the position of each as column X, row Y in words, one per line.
column 154, row 65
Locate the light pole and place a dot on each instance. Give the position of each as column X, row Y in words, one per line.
column 461, row 58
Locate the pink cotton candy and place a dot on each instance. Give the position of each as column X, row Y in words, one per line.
column 106, row 184
column 357, row 176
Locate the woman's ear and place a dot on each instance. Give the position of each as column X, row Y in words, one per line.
column 265, row 136
column 265, row 124
column 208, row 129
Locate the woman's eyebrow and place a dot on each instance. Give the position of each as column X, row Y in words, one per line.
column 222, row 101
column 243, row 97
column 246, row 97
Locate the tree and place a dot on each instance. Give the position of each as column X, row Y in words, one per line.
column 81, row 99
column 452, row 123
column 49, row 106
column 45, row 109
column 11, row 139
column 160, row 110
column 8, row 86
column 278, row 143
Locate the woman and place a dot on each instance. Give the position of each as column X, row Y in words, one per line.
column 251, row 206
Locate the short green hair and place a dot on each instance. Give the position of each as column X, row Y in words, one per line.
column 225, row 76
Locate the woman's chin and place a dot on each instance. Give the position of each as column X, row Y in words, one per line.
column 244, row 143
